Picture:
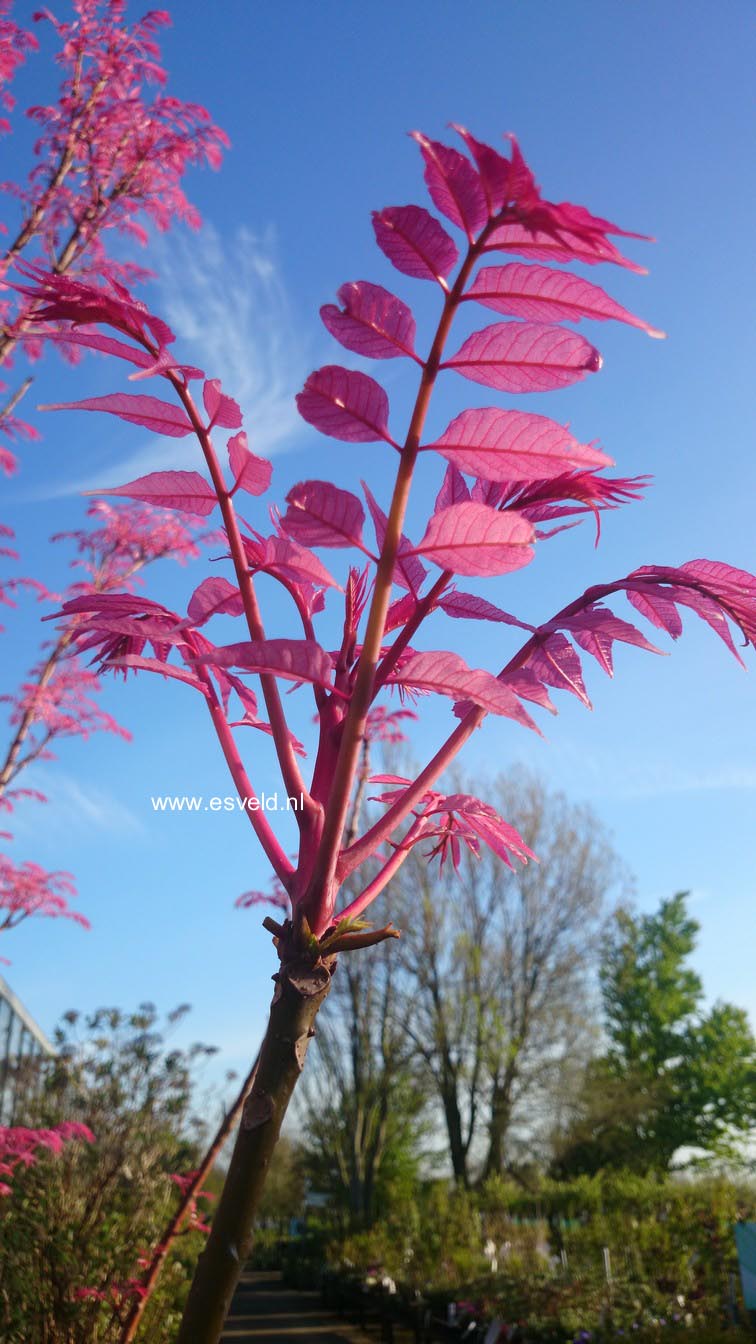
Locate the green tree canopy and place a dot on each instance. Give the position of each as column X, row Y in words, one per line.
column 674, row 1076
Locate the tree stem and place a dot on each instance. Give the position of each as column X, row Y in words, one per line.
column 300, row 990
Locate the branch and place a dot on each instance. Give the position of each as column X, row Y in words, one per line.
column 289, row 768
column 319, row 897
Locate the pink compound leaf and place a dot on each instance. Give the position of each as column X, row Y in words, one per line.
column 371, row 322
column 500, row 445
column 540, row 294
column 150, row 412
column 186, row 491
column 454, row 186
column 525, row 357
column 345, row 405
column 474, row 539
column 251, row 473
column 320, row 514
column 415, row 243
column 448, row 674
column 214, row 597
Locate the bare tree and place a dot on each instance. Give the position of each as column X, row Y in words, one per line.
column 362, row 1100
column 501, row 984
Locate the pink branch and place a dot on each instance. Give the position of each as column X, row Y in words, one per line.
column 382, row 878
column 320, row 897
column 260, row 824
column 281, row 736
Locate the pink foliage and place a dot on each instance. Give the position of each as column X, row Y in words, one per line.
column 28, row 890
column 111, row 154
column 510, row 479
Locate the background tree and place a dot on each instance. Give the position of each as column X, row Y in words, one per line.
column 363, row 1099
column 501, row 968
column 674, row 1076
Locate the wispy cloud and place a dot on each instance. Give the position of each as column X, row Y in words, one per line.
column 74, row 808
column 649, row 777
column 226, row 300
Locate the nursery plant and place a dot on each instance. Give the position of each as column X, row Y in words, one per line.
column 508, row 480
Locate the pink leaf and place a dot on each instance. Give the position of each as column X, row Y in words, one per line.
column 373, row 322
column 540, row 294
column 139, row 664
column 319, row 514
column 657, row 607
column 562, row 246
column 186, row 491
column 250, row 473
column 345, row 405
column 278, row 555
column 447, row 674
column 409, row 572
column 106, row 345
column 502, row 445
column 596, row 628
column 527, row 686
column 222, row 410
column 291, row 659
column 474, row 539
column 454, row 489
column 214, row 596
column 525, row 357
column 401, row 611
column 454, row 185
column 472, row 814
column 158, row 416
column 468, row 606
column 556, row 663
column 415, row 242
column 495, row 171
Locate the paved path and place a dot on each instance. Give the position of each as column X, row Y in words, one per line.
column 264, row 1312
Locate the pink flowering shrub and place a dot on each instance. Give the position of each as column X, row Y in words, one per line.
column 20, row 1146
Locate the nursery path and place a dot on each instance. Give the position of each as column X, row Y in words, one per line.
column 264, row 1312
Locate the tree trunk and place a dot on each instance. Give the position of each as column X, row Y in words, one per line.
column 301, row 989
column 457, row 1148
column 497, row 1130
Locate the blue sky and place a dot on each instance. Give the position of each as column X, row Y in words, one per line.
column 640, row 112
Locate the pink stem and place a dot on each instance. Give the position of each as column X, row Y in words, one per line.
column 320, row 895
column 382, row 878
column 289, row 768
column 260, row 824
